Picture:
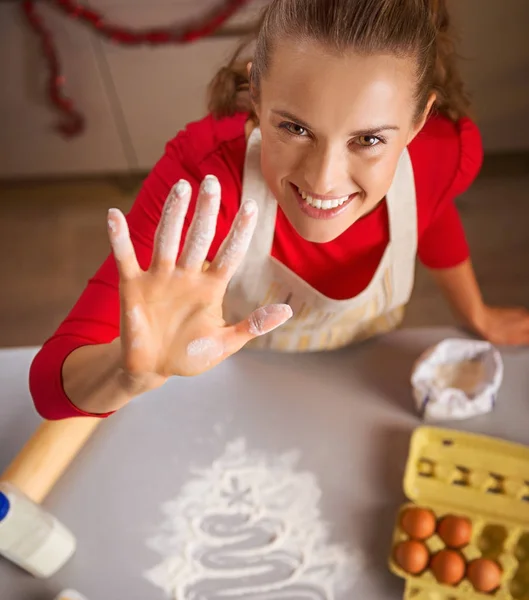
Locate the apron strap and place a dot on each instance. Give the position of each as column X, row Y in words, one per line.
column 401, row 201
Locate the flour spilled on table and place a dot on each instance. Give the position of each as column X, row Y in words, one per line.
column 249, row 527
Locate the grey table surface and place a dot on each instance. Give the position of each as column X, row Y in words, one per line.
column 349, row 414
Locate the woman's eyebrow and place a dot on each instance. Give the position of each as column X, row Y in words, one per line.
column 365, row 131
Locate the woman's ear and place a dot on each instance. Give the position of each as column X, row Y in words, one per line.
column 253, row 91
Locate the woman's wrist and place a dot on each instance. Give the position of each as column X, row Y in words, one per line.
column 477, row 319
column 461, row 289
column 97, row 383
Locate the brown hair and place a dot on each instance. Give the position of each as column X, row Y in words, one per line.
column 418, row 28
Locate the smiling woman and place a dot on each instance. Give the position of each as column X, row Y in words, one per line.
column 339, row 149
column 334, row 145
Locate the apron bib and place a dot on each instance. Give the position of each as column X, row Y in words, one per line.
column 322, row 323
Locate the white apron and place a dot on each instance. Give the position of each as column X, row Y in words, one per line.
column 319, row 322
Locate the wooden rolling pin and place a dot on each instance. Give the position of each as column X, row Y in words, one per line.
column 47, row 454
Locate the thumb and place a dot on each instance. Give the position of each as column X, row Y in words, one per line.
column 261, row 321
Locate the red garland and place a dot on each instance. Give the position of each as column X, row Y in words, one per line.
column 73, row 122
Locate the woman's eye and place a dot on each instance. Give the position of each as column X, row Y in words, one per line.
column 368, row 140
column 294, row 129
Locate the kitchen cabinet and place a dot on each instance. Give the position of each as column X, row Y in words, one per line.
column 136, row 98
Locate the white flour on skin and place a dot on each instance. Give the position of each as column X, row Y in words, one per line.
column 119, row 239
column 249, row 527
column 172, row 220
column 135, row 317
column 206, row 349
column 257, row 320
column 238, row 241
column 204, row 224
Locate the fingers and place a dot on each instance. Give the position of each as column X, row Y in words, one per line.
column 235, row 246
column 261, row 321
column 169, row 230
column 122, row 248
column 202, row 229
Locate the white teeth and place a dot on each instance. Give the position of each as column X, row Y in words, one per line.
column 322, row 204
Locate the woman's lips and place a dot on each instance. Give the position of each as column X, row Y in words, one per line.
column 324, row 209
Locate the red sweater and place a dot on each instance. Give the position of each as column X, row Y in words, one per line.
column 446, row 158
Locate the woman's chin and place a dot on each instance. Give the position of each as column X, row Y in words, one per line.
column 313, row 230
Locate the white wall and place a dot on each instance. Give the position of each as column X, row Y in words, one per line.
column 135, row 99
column 28, row 143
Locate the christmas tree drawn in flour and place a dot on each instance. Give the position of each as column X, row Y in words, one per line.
column 249, row 528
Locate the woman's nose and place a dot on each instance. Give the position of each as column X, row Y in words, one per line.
column 325, row 171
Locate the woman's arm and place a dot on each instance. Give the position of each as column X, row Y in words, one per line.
column 77, row 371
column 96, row 383
column 460, row 288
column 498, row 325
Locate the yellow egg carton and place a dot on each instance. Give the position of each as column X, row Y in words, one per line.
column 476, row 477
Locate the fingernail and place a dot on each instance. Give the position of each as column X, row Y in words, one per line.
column 249, row 207
column 258, row 319
column 211, row 185
column 278, row 308
column 182, row 188
column 111, row 216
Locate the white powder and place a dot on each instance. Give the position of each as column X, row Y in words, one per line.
column 465, row 375
column 237, row 243
column 257, row 322
column 111, row 223
column 167, row 238
column 200, row 237
column 119, row 237
column 135, row 318
column 181, row 188
column 136, row 321
column 249, row 527
column 202, row 230
column 205, row 349
column 211, row 185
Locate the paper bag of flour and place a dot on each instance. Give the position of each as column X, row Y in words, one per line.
column 457, row 379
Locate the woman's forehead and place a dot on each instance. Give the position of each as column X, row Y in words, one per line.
column 305, row 78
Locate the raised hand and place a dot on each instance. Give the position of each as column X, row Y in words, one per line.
column 171, row 314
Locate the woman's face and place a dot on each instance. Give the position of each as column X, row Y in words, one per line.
column 333, row 128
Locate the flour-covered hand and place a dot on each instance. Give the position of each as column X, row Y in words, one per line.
column 171, row 314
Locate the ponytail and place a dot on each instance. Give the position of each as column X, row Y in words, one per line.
column 229, row 90
column 452, row 99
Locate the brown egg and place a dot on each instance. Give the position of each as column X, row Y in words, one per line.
column 418, row 523
column 412, row 556
column 484, row 575
column 448, row 567
column 455, row 532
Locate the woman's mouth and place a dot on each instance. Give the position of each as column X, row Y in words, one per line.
column 319, row 208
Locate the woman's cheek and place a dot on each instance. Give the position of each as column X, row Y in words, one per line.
column 375, row 176
column 277, row 163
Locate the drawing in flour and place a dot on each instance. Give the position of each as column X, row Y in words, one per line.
column 249, row 527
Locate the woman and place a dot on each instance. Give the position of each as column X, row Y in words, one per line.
column 341, row 147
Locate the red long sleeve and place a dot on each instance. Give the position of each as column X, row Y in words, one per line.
column 449, row 171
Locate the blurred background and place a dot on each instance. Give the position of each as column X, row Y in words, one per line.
column 55, row 191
